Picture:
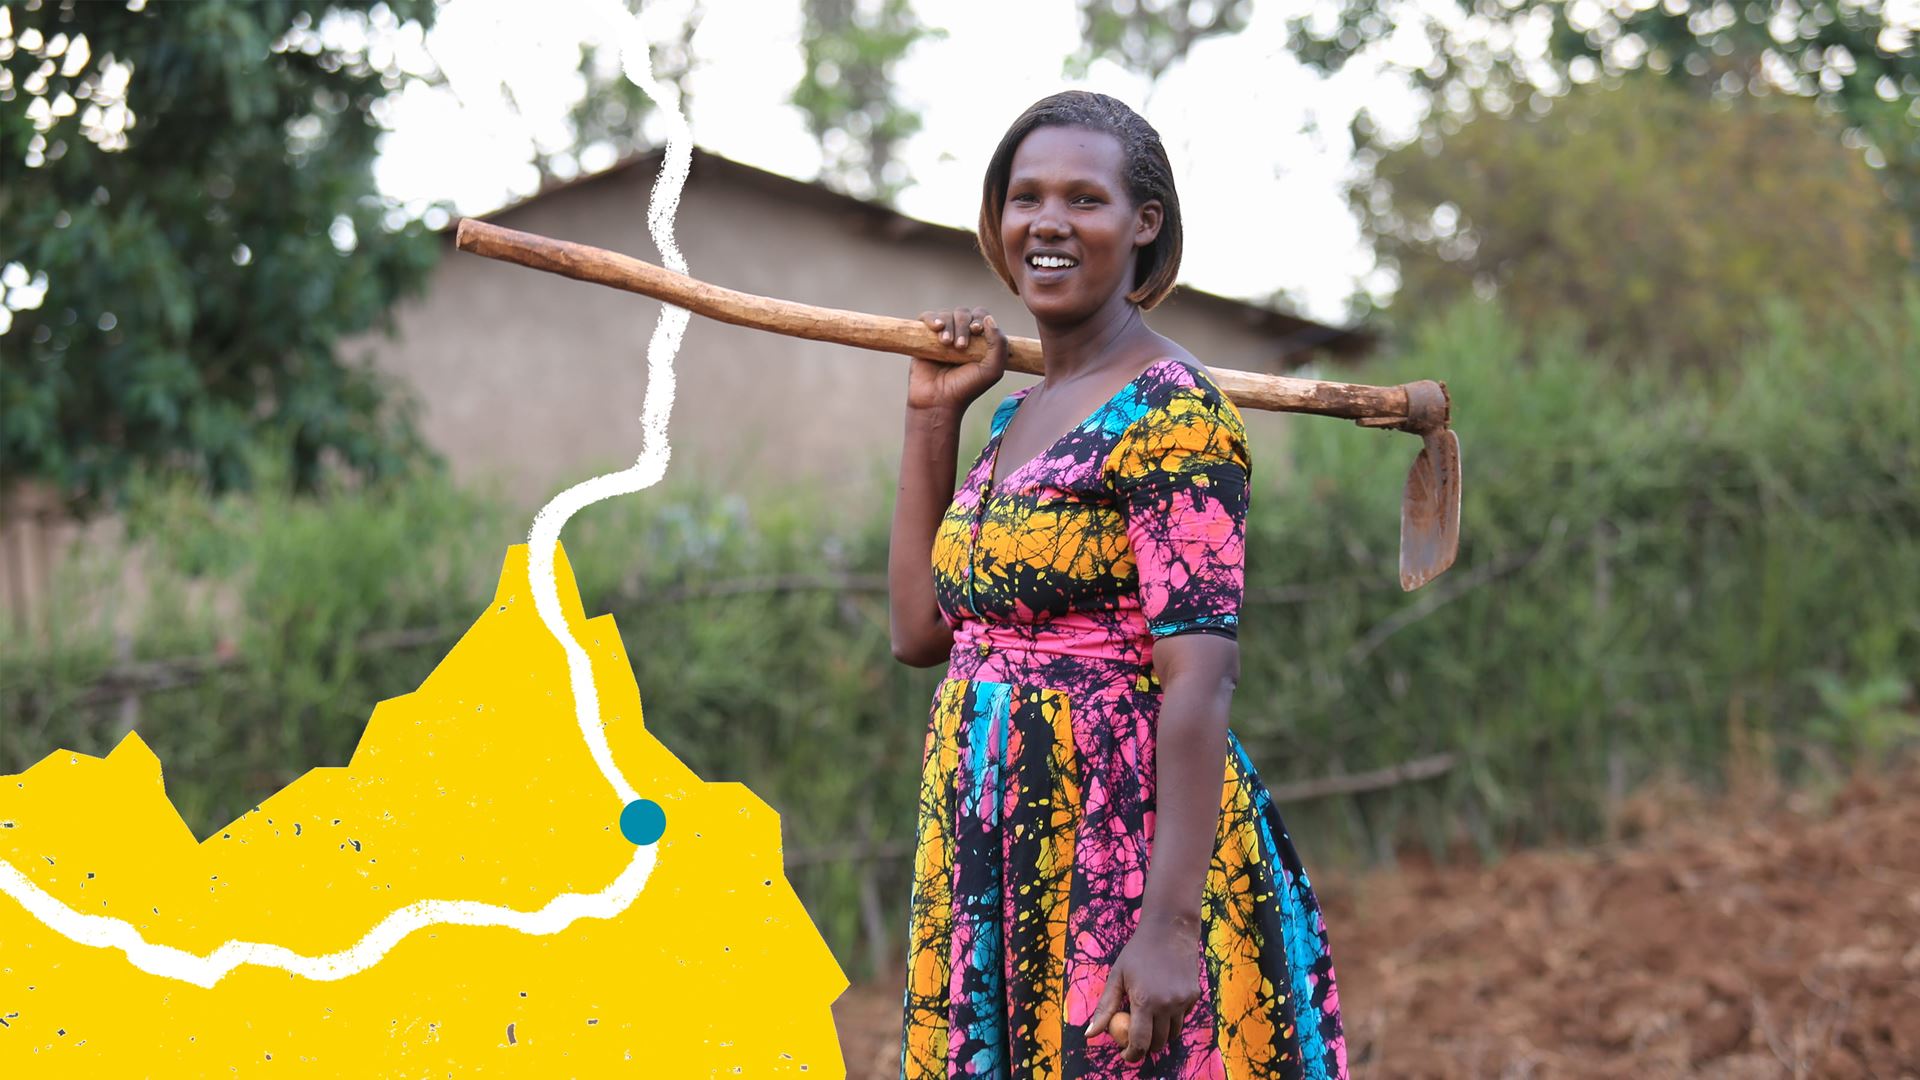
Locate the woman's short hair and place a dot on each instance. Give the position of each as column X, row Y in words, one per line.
column 1148, row 175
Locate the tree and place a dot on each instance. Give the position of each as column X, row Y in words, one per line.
column 608, row 119
column 189, row 199
column 1148, row 36
column 847, row 91
column 1662, row 221
column 1850, row 55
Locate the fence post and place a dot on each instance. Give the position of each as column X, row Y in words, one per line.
column 872, row 917
column 130, row 698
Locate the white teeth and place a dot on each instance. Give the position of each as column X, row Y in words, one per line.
column 1052, row 262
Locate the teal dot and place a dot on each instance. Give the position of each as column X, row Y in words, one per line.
column 643, row 821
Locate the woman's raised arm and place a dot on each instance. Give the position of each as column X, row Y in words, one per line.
column 937, row 398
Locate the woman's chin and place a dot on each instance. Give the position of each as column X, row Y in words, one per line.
column 1049, row 306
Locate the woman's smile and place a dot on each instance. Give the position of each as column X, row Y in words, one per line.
column 1048, row 265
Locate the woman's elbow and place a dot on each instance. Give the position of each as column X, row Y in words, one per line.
column 920, row 649
column 919, row 654
column 1208, row 663
column 919, row 641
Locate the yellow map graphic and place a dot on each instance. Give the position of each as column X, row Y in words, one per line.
column 476, row 787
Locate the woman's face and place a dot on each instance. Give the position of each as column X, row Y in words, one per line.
column 1067, row 206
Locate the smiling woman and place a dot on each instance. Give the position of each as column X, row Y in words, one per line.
column 1092, row 840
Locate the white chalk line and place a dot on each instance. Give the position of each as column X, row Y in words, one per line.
column 104, row 932
column 544, row 537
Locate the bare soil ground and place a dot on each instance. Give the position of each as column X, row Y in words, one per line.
column 1763, row 937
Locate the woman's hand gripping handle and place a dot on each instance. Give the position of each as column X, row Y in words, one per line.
column 934, row 385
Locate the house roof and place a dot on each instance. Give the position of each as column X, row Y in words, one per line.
column 1293, row 335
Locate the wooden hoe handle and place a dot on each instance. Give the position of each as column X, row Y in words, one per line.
column 1419, row 407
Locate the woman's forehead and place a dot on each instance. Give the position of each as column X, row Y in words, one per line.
column 1064, row 153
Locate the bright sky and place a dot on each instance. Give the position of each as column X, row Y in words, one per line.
column 1260, row 193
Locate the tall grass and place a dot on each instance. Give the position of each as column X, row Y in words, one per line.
column 1655, row 571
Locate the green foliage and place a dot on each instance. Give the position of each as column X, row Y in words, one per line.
column 1643, row 210
column 1652, row 566
column 848, row 95
column 1863, row 718
column 1855, row 57
column 607, row 120
column 1148, row 36
column 1654, row 570
column 191, row 184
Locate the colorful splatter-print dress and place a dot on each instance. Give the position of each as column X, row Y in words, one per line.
column 1036, row 809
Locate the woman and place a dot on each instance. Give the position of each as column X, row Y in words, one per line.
column 1091, row 838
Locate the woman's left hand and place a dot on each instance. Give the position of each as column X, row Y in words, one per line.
column 1158, row 975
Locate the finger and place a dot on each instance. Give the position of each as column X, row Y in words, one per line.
column 960, row 320
column 1164, row 1025
column 1140, row 1038
column 1109, row 1004
column 996, row 343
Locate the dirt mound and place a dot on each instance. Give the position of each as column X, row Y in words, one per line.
column 1786, row 944
column 1781, row 942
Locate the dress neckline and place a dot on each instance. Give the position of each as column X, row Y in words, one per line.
column 1020, row 398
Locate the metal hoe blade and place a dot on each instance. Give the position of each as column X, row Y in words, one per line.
column 1430, row 505
column 1430, row 511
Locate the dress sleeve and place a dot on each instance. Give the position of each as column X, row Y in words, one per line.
column 1180, row 475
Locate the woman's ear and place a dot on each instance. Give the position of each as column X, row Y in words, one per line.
column 1147, row 221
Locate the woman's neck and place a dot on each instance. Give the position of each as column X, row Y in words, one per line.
column 1111, row 335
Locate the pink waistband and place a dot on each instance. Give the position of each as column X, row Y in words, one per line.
column 974, row 642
